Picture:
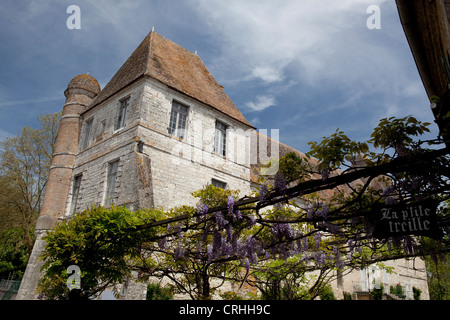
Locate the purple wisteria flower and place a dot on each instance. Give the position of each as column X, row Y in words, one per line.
column 209, row 252
column 263, row 192
column 310, row 211
column 217, row 241
column 325, row 174
column 317, row 238
column 320, row 258
column 323, row 211
column 247, row 264
column 388, row 190
column 230, row 204
column 305, row 244
column 202, row 209
column 229, row 231
column 162, row 243
column 337, row 258
column 179, row 252
column 280, row 182
column 221, row 222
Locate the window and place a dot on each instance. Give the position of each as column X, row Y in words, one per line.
column 220, row 138
column 75, row 191
column 122, row 116
column 177, row 123
column 111, row 183
column 87, row 132
column 101, row 131
column 218, row 184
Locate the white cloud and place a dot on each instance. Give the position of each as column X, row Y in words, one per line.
column 28, row 101
column 267, row 74
column 261, row 103
column 319, row 38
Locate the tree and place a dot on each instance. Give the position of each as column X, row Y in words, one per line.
column 25, row 162
column 100, row 243
column 288, row 227
column 24, row 166
column 438, row 266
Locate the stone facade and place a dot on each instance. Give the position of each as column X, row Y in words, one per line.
column 171, row 167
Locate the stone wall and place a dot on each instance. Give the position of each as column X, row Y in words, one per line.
column 173, row 168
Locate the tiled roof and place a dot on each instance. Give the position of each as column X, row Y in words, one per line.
column 284, row 150
column 178, row 68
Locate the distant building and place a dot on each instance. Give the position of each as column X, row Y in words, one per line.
column 159, row 130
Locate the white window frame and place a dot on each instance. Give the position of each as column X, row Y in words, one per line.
column 220, row 138
column 86, row 133
column 122, row 114
column 113, row 169
column 178, row 120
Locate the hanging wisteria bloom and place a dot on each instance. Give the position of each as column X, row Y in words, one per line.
column 247, row 264
column 202, row 210
column 317, row 238
column 310, row 211
column 337, row 258
column 230, row 204
column 388, row 190
column 209, row 252
column 280, row 182
column 179, row 252
column 229, row 231
column 162, row 243
column 263, row 193
column 221, row 222
column 305, row 244
column 323, row 211
column 320, row 258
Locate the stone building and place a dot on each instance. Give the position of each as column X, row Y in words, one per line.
column 159, row 130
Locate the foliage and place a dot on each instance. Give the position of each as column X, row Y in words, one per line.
column 377, row 293
column 283, row 280
column 327, row 293
column 416, row 293
column 100, row 242
column 438, row 269
column 335, row 150
column 347, row 296
column 24, row 166
column 13, row 254
column 156, row 292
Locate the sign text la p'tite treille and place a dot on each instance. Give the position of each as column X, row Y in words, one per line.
column 417, row 218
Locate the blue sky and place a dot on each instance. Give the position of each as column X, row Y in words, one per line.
column 304, row 67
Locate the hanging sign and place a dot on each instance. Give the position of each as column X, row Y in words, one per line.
column 415, row 218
